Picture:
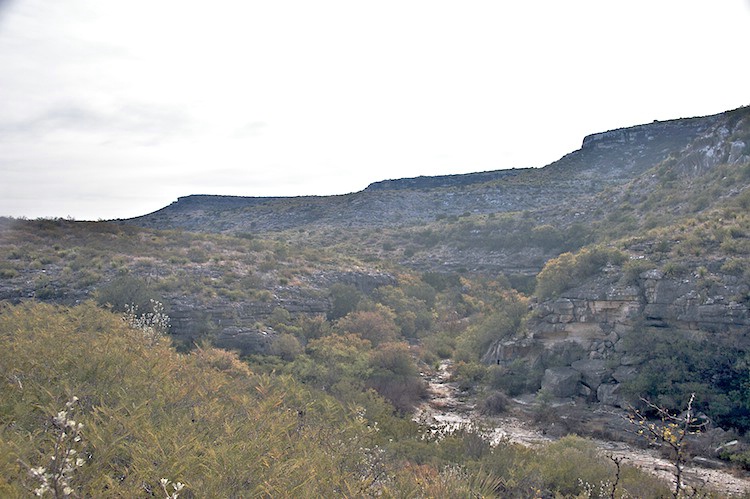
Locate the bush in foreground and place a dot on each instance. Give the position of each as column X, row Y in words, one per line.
column 148, row 414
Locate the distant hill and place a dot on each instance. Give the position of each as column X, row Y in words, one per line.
column 604, row 159
column 576, row 194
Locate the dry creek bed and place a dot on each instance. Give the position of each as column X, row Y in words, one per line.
column 445, row 410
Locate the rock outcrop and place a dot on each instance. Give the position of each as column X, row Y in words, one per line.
column 599, row 316
column 234, row 326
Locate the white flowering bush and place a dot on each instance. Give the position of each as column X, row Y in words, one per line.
column 54, row 477
column 174, row 492
column 153, row 324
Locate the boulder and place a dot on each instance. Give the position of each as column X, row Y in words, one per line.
column 561, row 382
column 624, row 373
column 564, row 310
column 609, row 394
column 594, row 372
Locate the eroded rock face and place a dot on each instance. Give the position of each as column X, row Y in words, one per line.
column 233, row 326
column 601, row 312
column 593, row 316
column 245, row 341
column 609, row 394
column 689, row 304
column 594, row 372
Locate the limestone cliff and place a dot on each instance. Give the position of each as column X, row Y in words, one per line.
column 603, row 316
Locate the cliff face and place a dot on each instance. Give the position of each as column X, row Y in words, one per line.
column 602, row 318
column 605, row 159
column 670, row 133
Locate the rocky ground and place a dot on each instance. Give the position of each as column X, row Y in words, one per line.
column 447, row 409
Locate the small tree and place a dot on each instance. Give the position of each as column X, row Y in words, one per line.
column 377, row 326
column 671, row 432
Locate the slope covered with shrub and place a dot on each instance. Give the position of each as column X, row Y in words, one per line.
column 131, row 415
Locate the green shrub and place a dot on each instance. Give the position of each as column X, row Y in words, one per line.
column 494, row 403
column 632, row 270
column 441, row 344
column 568, row 269
column 124, row 291
column 8, row 273
column 344, row 299
column 514, row 379
column 677, row 364
column 469, row 374
column 377, row 325
column 675, row 269
column 197, row 255
column 286, row 346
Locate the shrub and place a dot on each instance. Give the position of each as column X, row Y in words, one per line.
column 8, row 273
column 286, row 346
column 567, row 269
column 125, row 291
column 344, row 299
column 154, row 324
column 517, row 378
column 440, row 344
column 504, row 322
column 469, row 374
column 496, row 402
column 675, row 269
column 224, row 361
column 736, row 266
column 677, row 364
column 632, row 270
column 377, row 326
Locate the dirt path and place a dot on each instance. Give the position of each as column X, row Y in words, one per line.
column 446, row 410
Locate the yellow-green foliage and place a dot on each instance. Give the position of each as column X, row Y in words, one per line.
column 504, row 321
column 150, row 413
column 567, row 269
column 567, row 468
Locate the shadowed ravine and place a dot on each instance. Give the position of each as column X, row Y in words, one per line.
column 447, row 409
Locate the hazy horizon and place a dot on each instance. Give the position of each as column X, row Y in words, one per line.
column 116, row 110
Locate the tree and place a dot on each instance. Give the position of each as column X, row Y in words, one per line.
column 335, row 358
column 671, row 432
column 127, row 291
column 344, row 299
column 377, row 325
column 395, row 376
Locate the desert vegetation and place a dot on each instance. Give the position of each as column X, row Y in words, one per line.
column 135, row 416
column 247, row 353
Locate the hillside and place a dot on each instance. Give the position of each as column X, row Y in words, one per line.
column 560, row 295
column 588, row 187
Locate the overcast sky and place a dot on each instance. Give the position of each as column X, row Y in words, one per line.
column 113, row 109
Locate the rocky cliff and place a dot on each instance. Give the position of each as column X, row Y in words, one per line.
column 601, row 319
column 605, row 159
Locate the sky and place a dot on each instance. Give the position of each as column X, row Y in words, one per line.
column 112, row 109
